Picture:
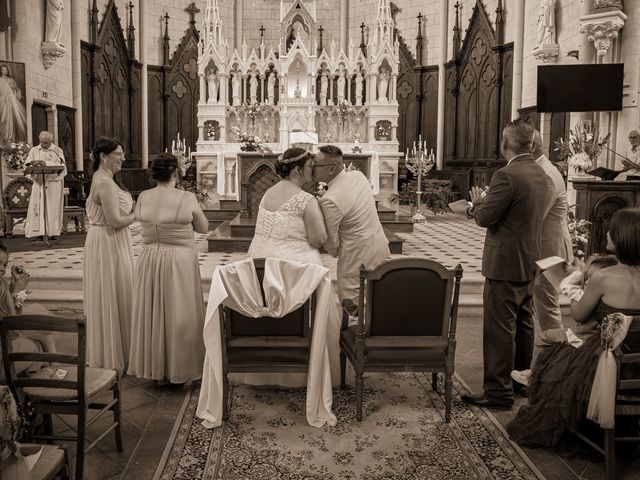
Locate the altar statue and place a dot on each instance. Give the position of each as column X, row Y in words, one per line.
column 253, row 88
column 341, row 84
column 212, row 83
column 359, row 82
column 235, row 89
column 324, row 85
column 383, row 82
column 547, row 23
column 54, row 21
column 271, row 88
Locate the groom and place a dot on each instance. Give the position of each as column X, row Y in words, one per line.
column 354, row 232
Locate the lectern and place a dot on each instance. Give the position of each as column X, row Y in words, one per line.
column 44, row 171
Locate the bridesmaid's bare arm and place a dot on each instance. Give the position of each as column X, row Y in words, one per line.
column 108, row 195
column 200, row 222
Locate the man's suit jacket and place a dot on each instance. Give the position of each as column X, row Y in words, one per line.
column 513, row 211
column 354, row 232
column 555, row 238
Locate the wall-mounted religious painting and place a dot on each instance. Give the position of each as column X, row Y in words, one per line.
column 13, row 103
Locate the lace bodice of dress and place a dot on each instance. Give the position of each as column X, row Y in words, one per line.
column 287, row 222
column 282, row 233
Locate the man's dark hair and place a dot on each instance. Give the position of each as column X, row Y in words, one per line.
column 519, row 136
column 331, row 150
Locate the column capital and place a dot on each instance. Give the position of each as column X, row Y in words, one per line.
column 602, row 28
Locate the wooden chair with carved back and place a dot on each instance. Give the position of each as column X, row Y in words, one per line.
column 265, row 344
column 17, row 194
column 407, row 315
column 68, row 388
column 627, row 399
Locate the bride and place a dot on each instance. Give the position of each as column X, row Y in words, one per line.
column 290, row 226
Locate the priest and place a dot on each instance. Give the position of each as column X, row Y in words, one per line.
column 50, row 155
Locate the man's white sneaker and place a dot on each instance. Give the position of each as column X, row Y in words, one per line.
column 521, row 376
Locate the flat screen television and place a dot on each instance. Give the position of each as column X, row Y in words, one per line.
column 580, row 88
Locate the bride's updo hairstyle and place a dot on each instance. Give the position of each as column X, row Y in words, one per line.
column 163, row 167
column 290, row 159
column 624, row 230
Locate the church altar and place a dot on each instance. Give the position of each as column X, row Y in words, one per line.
column 342, row 98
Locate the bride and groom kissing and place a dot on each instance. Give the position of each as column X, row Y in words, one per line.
column 293, row 225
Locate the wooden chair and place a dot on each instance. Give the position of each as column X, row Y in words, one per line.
column 627, row 397
column 407, row 314
column 73, row 394
column 17, row 194
column 265, row 344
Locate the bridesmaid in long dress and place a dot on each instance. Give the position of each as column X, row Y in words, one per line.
column 168, row 308
column 108, row 261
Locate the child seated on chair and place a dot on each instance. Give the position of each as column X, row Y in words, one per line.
column 573, row 287
column 13, row 293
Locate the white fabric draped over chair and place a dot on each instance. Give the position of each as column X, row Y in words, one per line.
column 287, row 285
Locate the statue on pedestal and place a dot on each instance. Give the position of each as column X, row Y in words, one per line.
column 359, row 82
column 212, row 86
column 271, row 87
column 54, row 21
column 324, row 85
column 341, row 85
column 236, row 85
column 253, row 88
column 546, row 23
column 383, row 82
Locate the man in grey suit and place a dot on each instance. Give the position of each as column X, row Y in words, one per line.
column 354, row 232
column 554, row 241
column 513, row 211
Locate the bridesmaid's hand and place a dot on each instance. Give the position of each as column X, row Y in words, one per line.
column 19, row 279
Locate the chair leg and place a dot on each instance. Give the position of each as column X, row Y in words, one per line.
column 434, row 381
column 359, row 392
column 225, row 397
column 82, row 427
column 117, row 416
column 448, row 391
column 343, row 368
column 610, row 453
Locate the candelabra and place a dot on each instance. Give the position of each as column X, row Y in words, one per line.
column 420, row 163
column 179, row 150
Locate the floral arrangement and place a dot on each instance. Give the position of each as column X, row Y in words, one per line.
column 15, row 154
column 579, row 231
column 199, row 189
column 608, row 328
column 383, row 129
column 250, row 143
column 582, row 148
column 436, row 194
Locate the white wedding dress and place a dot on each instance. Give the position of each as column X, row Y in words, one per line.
column 282, row 234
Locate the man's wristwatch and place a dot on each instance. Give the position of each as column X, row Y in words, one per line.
column 470, row 211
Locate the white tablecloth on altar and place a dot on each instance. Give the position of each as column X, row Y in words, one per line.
column 287, row 285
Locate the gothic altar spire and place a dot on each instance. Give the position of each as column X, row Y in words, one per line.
column 212, row 26
column 384, row 24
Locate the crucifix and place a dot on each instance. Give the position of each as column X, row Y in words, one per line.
column 320, row 30
column 192, row 10
column 261, row 33
column 363, row 46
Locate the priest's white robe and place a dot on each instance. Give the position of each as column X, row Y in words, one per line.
column 54, row 188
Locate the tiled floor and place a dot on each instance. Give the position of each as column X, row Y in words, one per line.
column 150, row 411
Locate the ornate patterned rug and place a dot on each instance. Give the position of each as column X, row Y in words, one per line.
column 403, row 436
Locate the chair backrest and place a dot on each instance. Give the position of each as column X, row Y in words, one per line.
column 298, row 323
column 18, row 192
column 409, row 296
column 47, row 323
column 629, row 358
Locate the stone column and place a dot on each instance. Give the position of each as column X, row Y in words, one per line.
column 238, row 35
column 144, row 88
column 344, row 22
column 203, row 88
column 444, row 41
column 76, row 83
column 224, row 81
column 518, row 47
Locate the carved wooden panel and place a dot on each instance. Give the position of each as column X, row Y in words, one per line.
column 430, row 106
column 407, row 93
column 66, row 134
column 450, row 107
column 87, row 108
column 155, row 111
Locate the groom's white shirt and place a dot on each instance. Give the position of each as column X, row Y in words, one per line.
column 354, row 232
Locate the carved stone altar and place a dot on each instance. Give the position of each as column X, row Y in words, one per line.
column 598, row 200
column 342, row 96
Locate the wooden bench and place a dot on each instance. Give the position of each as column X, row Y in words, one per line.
column 17, row 194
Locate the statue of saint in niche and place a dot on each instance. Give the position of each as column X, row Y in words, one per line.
column 271, row 88
column 236, row 85
column 253, row 88
column 383, row 83
column 547, row 23
column 341, row 84
column 212, row 84
column 359, row 82
column 324, row 85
